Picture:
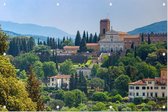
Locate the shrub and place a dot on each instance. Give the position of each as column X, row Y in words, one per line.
column 100, row 96
column 138, row 100
column 117, row 97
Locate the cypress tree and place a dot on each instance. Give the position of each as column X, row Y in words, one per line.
column 33, row 88
column 149, row 40
column 78, row 39
column 95, row 38
column 91, row 38
column 87, row 37
column 83, row 47
column 82, row 84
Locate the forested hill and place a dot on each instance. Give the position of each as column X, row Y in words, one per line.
column 157, row 27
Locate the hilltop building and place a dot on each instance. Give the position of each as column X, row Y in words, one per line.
column 59, row 81
column 149, row 87
column 112, row 41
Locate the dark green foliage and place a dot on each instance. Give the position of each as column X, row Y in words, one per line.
column 44, row 52
column 99, row 96
column 18, row 45
column 33, row 88
column 78, row 39
column 49, row 69
column 138, row 100
column 121, row 84
column 82, row 84
column 24, row 61
column 3, row 42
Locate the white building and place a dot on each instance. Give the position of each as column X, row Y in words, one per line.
column 149, row 87
column 85, row 70
column 59, row 81
column 111, row 42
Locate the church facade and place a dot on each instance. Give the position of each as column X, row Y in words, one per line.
column 111, row 42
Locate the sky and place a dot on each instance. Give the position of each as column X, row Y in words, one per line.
column 73, row 15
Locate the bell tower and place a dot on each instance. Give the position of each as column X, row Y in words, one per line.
column 104, row 27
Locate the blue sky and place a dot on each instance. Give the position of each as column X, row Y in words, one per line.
column 73, row 15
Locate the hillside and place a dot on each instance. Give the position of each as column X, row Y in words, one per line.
column 158, row 27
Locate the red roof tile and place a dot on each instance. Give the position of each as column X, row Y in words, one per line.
column 139, row 82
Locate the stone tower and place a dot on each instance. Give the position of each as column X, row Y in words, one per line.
column 104, row 27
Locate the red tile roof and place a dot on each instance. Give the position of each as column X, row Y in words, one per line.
column 61, row 76
column 149, row 79
column 139, row 82
column 71, row 47
column 92, row 44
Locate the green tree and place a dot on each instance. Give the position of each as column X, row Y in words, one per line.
column 3, row 42
column 49, row 69
column 83, row 47
column 100, row 106
column 67, row 67
column 24, row 61
column 96, row 84
column 44, row 52
column 78, row 39
column 38, row 69
column 99, row 96
column 94, row 70
column 33, row 88
column 121, row 84
column 82, row 84
column 13, row 93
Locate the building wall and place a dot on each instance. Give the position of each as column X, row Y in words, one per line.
column 128, row 42
column 151, row 90
column 86, row 72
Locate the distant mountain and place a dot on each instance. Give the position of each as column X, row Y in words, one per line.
column 12, row 28
column 158, row 27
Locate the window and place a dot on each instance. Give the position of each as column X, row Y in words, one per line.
column 131, row 87
column 163, row 87
column 163, row 94
column 130, row 94
column 147, row 94
column 137, row 94
column 52, row 79
column 104, row 30
column 143, row 94
column 137, row 87
column 156, row 95
column 143, row 87
column 151, row 87
column 147, row 87
column 156, row 87
column 149, row 82
column 151, row 94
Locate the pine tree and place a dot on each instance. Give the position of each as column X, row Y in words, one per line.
column 3, row 42
column 95, row 38
column 87, row 37
column 72, row 82
column 33, row 88
column 82, row 84
column 78, row 39
column 142, row 37
column 91, row 38
column 83, row 47
column 149, row 40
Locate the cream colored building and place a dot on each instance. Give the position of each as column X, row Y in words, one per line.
column 149, row 87
column 59, row 81
column 85, row 70
column 111, row 42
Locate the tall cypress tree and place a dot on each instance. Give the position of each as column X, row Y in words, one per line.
column 91, row 38
column 78, row 39
column 33, row 88
column 82, row 84
column 83, row 47
column 87, row 37
column 149, row 39
column 95, row 38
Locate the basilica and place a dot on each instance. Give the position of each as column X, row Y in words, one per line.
column 113, row 41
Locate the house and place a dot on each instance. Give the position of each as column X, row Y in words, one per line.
column 149, row 87
column 59, row 81
column 131, row 39
column 71, row 49
column 85, row 70
column 93, row 46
